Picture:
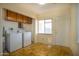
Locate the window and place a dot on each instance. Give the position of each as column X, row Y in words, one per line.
column 44, row 26
column 41, row 26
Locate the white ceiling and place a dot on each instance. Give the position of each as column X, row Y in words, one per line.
column 37, row 8
column 34, row 8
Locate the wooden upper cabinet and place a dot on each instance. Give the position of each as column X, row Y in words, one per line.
column 19, row 18
column 27, row 20
column 11, row 16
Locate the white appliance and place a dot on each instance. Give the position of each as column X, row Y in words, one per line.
column 27, row 36
column 14, row 40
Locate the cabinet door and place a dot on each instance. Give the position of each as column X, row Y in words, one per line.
column 19, row 18
column 27, row 38
column 11, row 16
column 18, row 41
column 29, row 20
column 24, row 19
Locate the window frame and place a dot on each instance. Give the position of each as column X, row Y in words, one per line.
column 44, row 27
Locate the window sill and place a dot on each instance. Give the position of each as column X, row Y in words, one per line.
column 44, row 34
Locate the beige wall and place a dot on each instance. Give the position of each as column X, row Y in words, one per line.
column 28, row 27
column 73, row 28
column 1, row 27
column 61, row 28
column 9, row 24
